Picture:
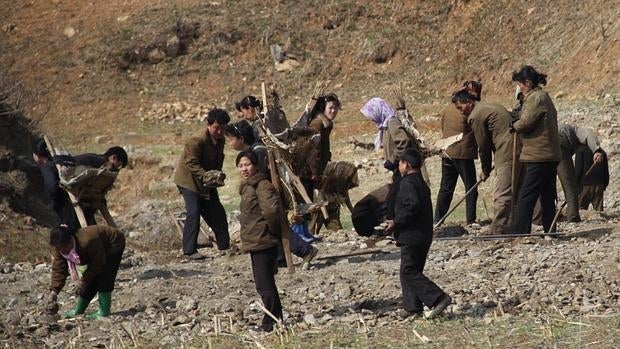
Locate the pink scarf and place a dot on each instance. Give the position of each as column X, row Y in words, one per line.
column 73, row 259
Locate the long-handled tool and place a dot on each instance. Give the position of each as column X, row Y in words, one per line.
column 557, row 214
column 471, row 190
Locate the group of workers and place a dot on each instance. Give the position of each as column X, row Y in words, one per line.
column 526, row 148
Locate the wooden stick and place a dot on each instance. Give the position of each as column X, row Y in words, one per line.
column 513, row 178
column 275, row 180
column 353, row 254
column 496, row 237
column 557, row 214
column 76, row 206
column 299, row 186
column 440, row 221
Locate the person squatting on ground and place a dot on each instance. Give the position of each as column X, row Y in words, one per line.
column 413, row 230
column 198, row 175
column 321, row 119
column 241, row 138
column 593, row 184
column 538, row 127
column 260, row 233
column 489, row 123
column 458, row 160
column 114, row 159
column 100, row 248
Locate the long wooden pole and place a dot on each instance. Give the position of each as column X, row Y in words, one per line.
column 275, row 180
column 440, row 221
column 76, row 206
column 557, row 214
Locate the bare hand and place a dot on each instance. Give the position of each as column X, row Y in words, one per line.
column 597, row 158
column 484, row 176
column 390, row 225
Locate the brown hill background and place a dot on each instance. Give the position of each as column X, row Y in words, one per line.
column 90, row 63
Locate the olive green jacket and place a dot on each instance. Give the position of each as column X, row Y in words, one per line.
column 454, row 122
column 260, row 214
column 491, row 125
column 93, row 244
column 538, row 127
column 200, row 163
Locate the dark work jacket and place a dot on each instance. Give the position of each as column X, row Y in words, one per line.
column 93, row 244
column 599, row 174
column 413, row 211
column 57, row 197
column 90, row 160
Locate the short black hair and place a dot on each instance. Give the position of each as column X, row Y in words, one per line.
column 527, row 72
column 218, row 115
column 62, row 234
column 249, row 102
column 241, row 129
column 413, row 157
column 462, row 96
column 120, row 153
column 40, row 149
column 247, row 154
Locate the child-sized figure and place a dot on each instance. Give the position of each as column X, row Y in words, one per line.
column 413, row 230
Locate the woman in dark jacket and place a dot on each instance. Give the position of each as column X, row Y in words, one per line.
column 260, row 232
column 538, row 127
column 413, row 230
column 100, row 248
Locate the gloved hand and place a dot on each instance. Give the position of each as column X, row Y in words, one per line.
column 389, row 165
column 213, row 179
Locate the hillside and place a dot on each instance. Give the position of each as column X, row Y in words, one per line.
column 81, row 57
column 141, row 73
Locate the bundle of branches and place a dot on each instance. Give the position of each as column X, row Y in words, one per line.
column 275, row 119
column 319, row 90
column 339, row 178
column 409, row 123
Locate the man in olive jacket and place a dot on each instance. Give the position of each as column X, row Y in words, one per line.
column 198, row 175
column 489, row 123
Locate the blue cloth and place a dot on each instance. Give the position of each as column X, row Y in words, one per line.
column 301, row 230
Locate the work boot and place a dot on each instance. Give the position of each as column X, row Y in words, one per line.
column 439, row 307
column 309, row 257
column 80, row 307
column 105, row 303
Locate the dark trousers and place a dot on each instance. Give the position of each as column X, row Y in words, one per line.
column 264, row 268
column 539, row 181
column 416, row 287
column 299, row 248
column 212, row 212
column 592, row 194
column 451, row 170
column 104, row 282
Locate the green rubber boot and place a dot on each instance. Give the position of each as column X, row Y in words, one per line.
column 80, row 307
column 105, row 303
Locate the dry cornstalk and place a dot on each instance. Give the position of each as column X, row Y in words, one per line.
column 422, row 338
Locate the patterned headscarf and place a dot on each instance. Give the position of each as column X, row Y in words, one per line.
column 380, row 112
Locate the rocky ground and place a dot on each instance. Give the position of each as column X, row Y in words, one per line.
column 533, row 291
column 162, row 301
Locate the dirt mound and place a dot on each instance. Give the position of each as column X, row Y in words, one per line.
column 21, row 183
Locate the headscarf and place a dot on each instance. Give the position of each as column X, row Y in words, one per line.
column 380, row 112
column 73, row 259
